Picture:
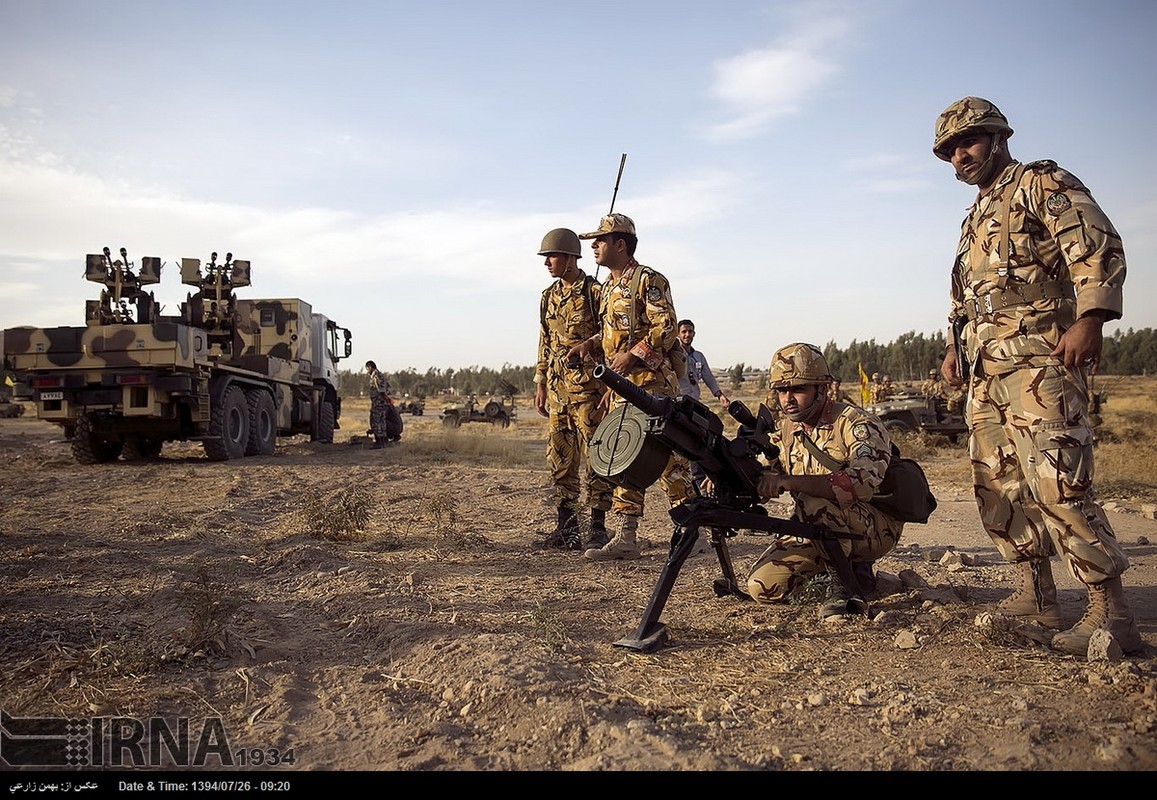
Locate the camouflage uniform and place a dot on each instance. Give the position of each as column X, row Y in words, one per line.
column 1031, row 441
column 850, row 436
column 568, row 317
column 379, row 404
column 655, row 334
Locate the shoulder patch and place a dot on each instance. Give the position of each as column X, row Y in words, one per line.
column 1058, row 203
column 654, row 295
column 860, row 431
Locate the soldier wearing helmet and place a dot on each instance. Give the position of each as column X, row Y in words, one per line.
column 637, row 340
column 1039, row 269
column 931, row 387
column 832, row 458
column 568, row 395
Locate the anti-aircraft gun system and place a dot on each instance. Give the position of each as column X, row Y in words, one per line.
column 231, row 373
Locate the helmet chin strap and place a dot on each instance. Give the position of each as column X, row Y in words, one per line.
column 989, row 165
column 813, row 408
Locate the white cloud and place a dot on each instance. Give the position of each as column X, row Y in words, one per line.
column 761, row 86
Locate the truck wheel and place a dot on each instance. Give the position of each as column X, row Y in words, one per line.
column 493, row 409
column 896, row 426
column 141, row 448
column 501, row 420
column 451, row 421
column 228, row 427
column 262, row 423
column 88, row 448
column 326, row 424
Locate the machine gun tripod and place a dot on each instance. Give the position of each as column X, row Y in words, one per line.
column 621, row 452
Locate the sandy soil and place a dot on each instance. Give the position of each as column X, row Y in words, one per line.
column 439, row 639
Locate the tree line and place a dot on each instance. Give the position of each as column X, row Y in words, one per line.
column 907, row 358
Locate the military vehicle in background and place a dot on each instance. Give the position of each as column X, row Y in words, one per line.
column 233, row 374
column 905, row 413
column 498, row 410
column 414, row 406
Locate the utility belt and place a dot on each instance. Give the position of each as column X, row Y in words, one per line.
column 1017, row 295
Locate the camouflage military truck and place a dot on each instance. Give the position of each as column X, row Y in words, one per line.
column 233, row 374
column 414, row 406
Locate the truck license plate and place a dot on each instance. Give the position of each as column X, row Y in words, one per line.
column 52, row 395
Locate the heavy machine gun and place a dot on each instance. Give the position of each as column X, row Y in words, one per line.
column 632, row 451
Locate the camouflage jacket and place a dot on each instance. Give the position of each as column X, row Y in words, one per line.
column 568, row 315
column 851, row 436
column 1036, row 252
column 655, row 330
column 379, row 383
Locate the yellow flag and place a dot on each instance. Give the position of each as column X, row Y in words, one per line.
column 865, row 391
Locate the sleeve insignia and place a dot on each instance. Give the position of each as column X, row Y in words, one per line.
column 865, row 451
column 654, row 295
column 1058, row 203
column 860, row 431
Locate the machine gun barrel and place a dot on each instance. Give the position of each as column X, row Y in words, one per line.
column 641, row 399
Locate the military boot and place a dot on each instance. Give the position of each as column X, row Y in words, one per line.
column 1107, row 611
column 599, row 534
column 622, row 547
column 1035, row 595
column 836, row 601
column 566, row 525
column 379, row 443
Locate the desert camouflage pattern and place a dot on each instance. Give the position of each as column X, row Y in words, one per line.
column 655, row 334
column 1031, row 440
column 1060, row 239
column 1031, row 448
column 963, row 115
column 147, row 369
column 568, row 318
column 797, row 364
column 612, row 223
column 850, row 436
column 572, row 393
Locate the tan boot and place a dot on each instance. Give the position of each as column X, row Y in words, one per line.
column 1107, row 611
column 1035, row 595
column 623, row 547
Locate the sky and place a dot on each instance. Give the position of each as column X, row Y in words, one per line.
column 396, row 164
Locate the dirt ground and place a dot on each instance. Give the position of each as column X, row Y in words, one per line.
column 441, row 640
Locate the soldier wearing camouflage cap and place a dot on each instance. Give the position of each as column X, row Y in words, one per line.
column 568, row 396
column 636, row 340
column 1039, row 269
column 832, row 458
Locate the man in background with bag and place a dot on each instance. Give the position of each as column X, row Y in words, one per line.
column 638, row 340
column 832, row 460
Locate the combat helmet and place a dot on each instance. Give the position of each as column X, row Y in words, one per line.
column 963, row 115
column 561, row 240
column 798, row 364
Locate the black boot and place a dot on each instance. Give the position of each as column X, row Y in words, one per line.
column 379, row 443
column 599, row 534
column 566, row 525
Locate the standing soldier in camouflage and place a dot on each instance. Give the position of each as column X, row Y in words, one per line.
column 1038, row 271
column 637, row 336
column 569, row 396
column 379, row 404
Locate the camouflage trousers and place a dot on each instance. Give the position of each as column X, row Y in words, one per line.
column 676, row 481
column 1031, row 446
column 378, row 412
column 569, row 432
column 791, row 561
